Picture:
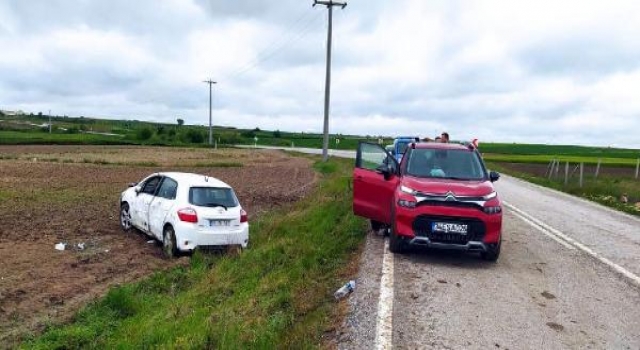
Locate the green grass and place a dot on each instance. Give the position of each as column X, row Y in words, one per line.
column 559, row 150
column 546, row 158
column 38, row 137
column 277, row 294
column 604, row 190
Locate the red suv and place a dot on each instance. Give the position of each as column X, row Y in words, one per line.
column 439, row 196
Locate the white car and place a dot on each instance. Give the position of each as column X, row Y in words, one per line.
column 185, row 211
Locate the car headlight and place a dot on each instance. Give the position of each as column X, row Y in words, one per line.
column 407, row 204
column 493, row 210
column 490, row 196
column 408, row 190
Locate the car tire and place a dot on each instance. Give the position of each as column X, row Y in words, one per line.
column 169, row 246
column 396, row 243
column 376, row 225
column 493, row 252
column 125, row 217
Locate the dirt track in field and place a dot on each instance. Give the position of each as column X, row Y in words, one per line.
column 44, row 203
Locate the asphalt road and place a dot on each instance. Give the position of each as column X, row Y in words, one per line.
column 567, row 279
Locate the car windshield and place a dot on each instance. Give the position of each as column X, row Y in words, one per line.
column 212, row 197
column 402, row 146
column 445, row 163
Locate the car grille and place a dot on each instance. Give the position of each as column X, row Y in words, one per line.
column 423, row 223
column 455, row 204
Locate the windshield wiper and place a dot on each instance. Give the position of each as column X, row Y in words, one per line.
column 213, row 205
column 457, row 178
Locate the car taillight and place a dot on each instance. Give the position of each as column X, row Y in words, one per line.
column 188, row 215
column 244, row 217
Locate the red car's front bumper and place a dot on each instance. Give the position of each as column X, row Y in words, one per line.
column 413, row 225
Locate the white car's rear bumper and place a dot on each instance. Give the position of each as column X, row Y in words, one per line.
column 189, row 236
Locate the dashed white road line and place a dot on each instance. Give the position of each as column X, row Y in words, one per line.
column 384, row 327
column 564, row 240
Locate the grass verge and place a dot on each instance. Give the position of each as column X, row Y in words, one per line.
column 277, row 294
column 604, row 190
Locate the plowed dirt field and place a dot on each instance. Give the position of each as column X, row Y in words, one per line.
column 53, row 194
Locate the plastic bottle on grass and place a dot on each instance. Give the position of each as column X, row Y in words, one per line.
column 345, row 290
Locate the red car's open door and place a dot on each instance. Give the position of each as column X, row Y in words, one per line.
column 375, row 179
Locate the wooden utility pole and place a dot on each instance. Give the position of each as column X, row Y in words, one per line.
column 327, row 84
column 210, row 82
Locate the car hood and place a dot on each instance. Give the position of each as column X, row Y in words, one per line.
column 443, row 186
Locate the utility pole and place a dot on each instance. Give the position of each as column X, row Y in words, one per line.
column 49, row 121
column 210, row 82
column 327, row 84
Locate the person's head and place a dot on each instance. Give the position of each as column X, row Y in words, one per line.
column 438, row 139
column 445, row 137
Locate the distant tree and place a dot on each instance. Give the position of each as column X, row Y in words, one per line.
column 248, row 133
column 171, row 133
column 144, row 134
column 1, row 114
column 180, row 122
column 193, row 136
column 159, row 129
column 257, row 129
column 276, row 134
column 39, row 114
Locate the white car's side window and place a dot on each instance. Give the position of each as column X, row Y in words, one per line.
column 150, row 185
column 168, row 189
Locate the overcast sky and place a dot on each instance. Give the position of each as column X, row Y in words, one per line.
column 564, row 72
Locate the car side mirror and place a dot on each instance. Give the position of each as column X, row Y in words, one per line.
column 137, row 190
column 494, row 176
column 386, row 170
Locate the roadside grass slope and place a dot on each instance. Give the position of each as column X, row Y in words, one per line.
column 276, row 294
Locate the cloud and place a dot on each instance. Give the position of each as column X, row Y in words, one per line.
column 523, row 71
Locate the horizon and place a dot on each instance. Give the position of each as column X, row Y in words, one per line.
column 318, row 134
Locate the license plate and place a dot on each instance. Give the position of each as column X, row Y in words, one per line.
column 219, row 223
column 447, row 227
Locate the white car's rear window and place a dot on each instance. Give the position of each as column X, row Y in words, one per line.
column 212, row 197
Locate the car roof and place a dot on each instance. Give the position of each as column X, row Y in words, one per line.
column 195, row 179
column 438, row 145
column 404, row 138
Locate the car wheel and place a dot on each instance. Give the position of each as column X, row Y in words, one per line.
column 125, row 217
column 169, row 246
column 396, row 243
column 376, row 225
column 493, row 251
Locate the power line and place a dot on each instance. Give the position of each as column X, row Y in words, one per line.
column 291, row 27
column 273, row 50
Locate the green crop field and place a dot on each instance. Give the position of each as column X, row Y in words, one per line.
column 545, row 159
